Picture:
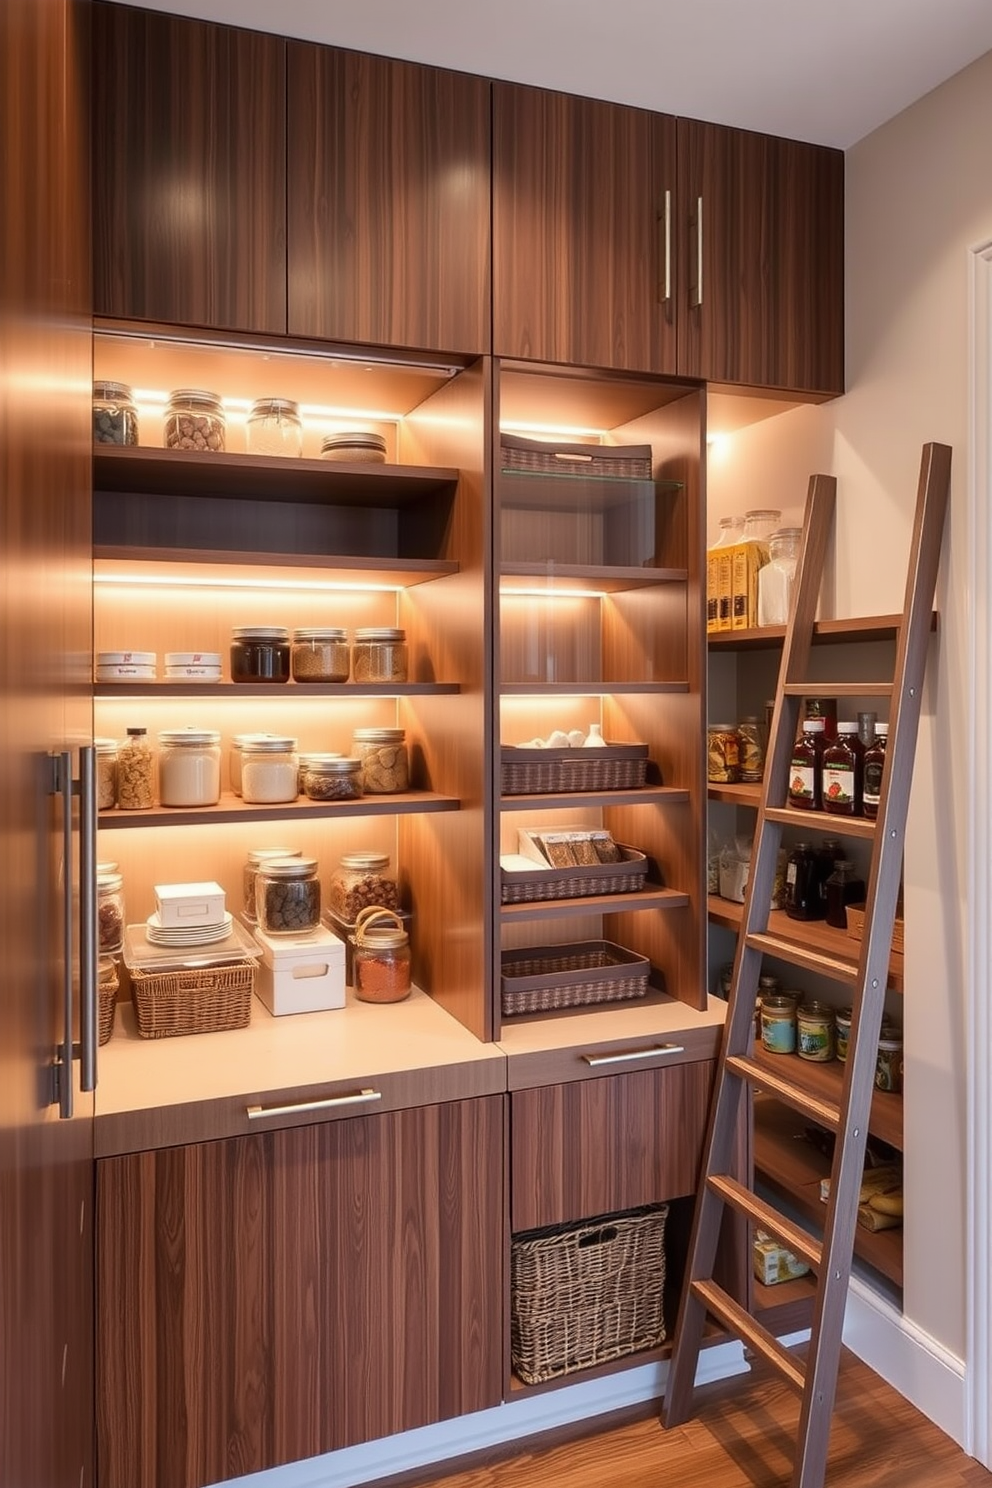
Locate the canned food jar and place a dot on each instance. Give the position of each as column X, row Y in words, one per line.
column 189, row 767
column 115, row 418
column 321, row 655
column 778, row 1025
column 381, row 957
column 888, row 1066
column 110, row 912
column 106, row 773
column 379, row 655
column 260, row 653
column 722, row 754
column 269, row 770
column 842, row 1032
column 815, row 1026
column 360, row 881
column 333, row 779
column 384, row 759
column 256, row 857
column 274, row 427
column 135, row 772
column 287, row 896
column 194, row 420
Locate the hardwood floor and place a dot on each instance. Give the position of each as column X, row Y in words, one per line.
column 742, row 1437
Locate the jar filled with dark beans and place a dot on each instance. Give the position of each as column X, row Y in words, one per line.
column 115, row 418
column 332, row 779
column 287, row 896
column 110, row 912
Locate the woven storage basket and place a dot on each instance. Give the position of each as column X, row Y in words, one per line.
column 625, row 877
column 614, row 462
column 106, row 1002
column 544, row 978
column 585, row 1293
column 525, row 772
column 200, row 999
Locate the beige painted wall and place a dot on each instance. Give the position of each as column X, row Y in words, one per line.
column 919, row 196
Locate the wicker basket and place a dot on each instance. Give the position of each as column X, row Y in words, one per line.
column 585, row 1293
column 542, row 979
column 540, row 457
column 106, row 999
column 525, row 772
column 525, row 886
column 199, row 999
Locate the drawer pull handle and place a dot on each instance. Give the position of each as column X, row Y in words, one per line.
column 360, row 1098
column 631, row 1054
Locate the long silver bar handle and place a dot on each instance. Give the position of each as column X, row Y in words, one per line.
column 87, row 919
column 666, row 284
column 699, row 252
column 63, row 787
column 360, row 1098
column 632, row 1054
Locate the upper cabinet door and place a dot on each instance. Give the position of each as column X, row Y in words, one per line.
column 189, row 172
column 389, row 185
column 584, row 268
column 761, row 237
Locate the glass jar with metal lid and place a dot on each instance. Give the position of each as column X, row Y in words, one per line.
column 321, row 655
column 106, row 773
column 379, row 654
column 189, row 767
column 135, row 772
column 194, row 420
column 332, row 779
column 816, row 1032
column 236, row 755
column 361, row 880
column 269, row 770
column 256, row 857
column 360, row 446
column 385, row 763
column 260, row 653
column 304, row 761
column 109, row 912
column 115, row 418
column 287, row 896
column 274, row 427
column 381, row 957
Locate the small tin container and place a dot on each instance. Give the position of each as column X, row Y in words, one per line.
column 816, row 1037
column 778, row 1025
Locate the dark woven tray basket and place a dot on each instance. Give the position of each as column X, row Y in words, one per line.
column 615, row 462
column 525, row 772
column 202, row 999
column 587, row 880
column 542, row 979
column 581, row 1294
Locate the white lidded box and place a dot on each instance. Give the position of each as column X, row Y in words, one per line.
column 304, row 975
column 189, row 903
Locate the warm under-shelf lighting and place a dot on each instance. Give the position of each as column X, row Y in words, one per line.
column 191, row 581
column 554, row 431
column 537, row 592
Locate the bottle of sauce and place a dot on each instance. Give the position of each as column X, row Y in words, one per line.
column 806, row 768
column 843, row 761
column 842, row 888
column 803, row 896
column 874, row 768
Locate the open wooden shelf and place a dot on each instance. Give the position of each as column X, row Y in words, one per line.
column 232, row 809
column 825, row 633
column 294, row 691
column 814, row 935
column 652, row 896
column 590, row 689
column 647, row 795
column 825, row 1080
column 597, row 578
column 182, row 567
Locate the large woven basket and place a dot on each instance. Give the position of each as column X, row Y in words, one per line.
column 612, row 462
column 542, row 979
column 106, row 999
column 527, row 886
column 581, row 1294
column 525, row 772
column 200, row 999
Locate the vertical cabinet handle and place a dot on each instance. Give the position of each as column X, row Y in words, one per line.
column 698, row 300
column 63, row 788
column 88, row 938
column 665, row 276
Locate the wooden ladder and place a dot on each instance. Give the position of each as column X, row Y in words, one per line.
column 738, row 1074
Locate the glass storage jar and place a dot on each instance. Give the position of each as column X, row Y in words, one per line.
column 816, row 1032
column 194, row 420
column 135, row 772
column 381, row 957
column 321, row 655
column 751, row 743
column 776, row 580
column 115, row 418
column 778, row 1024
column 256, row 857
column 260, row 653
column 109, row 912
column 287, row 896
column 723, row 754
column 760, row 523
column 269, row 770
column 332, row 779
column 236, row 757
column 384, row 759
column 379, row 655
column 106, row 773
column 360, row 881
column 304, row 761
column 274, row 427
column 189, row 767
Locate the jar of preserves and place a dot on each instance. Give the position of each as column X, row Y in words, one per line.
column 379, row 654
column 135, row 772
column 722, row 754
column 874, row 768
column 194, row 420
column 815, row 1032
column 384, row 759
column 109, row 912
column 106, row 773
column 269, row 770
column 778, row 1025
column 381, row 957
column 360, row 881
column 806, row 767
column 115, row 418
column 751, row 746
column 260, row 653
column 189, row 767
column 287, row 896
column 803, row 898
column 321, row 655
column 842, row 766
column 332, row 779
column 256, row 857
column 274, row 427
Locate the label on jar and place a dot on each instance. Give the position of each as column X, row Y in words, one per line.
column 838, row 787
column 801, row 784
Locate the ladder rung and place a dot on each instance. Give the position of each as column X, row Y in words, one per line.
column 826, row 1113
column 821, row 821
column 838, row 689
column 747, row 1203
column 741, row 1323
column 804, row 956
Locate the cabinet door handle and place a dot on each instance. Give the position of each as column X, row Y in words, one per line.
column 665, row 286
column 632, row 1054
column 62, row 786
column 88, row 938
column 359, row 1098
column 697, row 302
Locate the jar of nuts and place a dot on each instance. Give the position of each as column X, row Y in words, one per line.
column 135, row 772
column 332, row 779
column 287, row 896
column 321, row 655
column 361, row 879
column 194, row 420
column 385, row 763
column 110, row 912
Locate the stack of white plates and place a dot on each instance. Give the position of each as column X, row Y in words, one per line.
column 192, row 666
column 187, row 935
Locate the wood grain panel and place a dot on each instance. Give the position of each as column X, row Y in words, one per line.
column 272, row 1297
column 772, row 311
column 189, row 173
column 388, row 216
column 598, row 1146
column 578, row 231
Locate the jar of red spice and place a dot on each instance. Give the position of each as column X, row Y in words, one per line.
column 381, row 956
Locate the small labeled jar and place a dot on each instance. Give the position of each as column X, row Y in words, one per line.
column 109, row 912
column 723, row 765
column 888, row 1065
column 815, row 1029
column 384, row 759
column 269, row 771
column 330, row 779
column 135, row 772
column 778, row 1025
column 258, row 856
column 115, row 418
column 381, row 957
column 751, row 749
column 360, row 881
column 260, row 653
column 274, row 427
column 321, row 655
column 379, row 655
column 194, row 420
column 106, row 773
column 287, row 896
column 189, row 767
column 842, row 1032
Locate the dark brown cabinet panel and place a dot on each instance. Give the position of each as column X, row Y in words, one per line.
column 388, row 217
column 278, row 1295
column 761, row 243
column 189, row 171
column 584, row 242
